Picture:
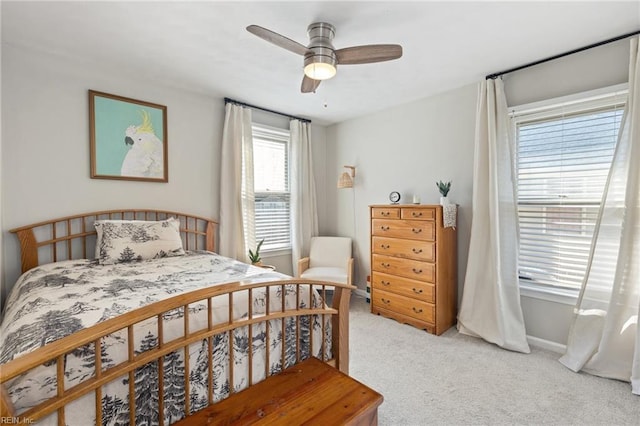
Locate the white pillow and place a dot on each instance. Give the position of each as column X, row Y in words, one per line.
column 120, row 241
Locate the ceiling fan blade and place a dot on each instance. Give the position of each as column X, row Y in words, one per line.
column 278, row 40
column 368, row 54
column 309, row 85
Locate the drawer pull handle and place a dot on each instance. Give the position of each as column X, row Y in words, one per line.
column 416, row 231
column 385, row 283
column 416, row 214
column 385, row 247
column 385, row 301
column 417, row 271
column 417, row 311
column 417, row 290
column 417, row 251
column 384, row 228
column 386, row 265
column 384, row 213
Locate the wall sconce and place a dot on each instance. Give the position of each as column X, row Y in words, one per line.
column 346, row 179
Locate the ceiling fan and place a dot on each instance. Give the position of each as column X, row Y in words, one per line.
column 321, row 58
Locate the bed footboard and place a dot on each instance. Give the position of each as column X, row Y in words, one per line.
column 309, row 307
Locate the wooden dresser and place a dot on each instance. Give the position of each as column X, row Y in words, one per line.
column 413, row 266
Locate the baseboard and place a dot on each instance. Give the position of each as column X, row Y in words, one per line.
column 547, row 344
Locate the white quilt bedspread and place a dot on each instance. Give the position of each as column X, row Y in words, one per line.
column 58, row 299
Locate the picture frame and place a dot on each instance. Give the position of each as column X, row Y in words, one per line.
column 128, row 138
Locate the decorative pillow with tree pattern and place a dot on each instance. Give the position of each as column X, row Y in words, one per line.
column 121, row 241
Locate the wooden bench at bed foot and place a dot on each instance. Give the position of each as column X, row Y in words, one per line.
column 311, row 393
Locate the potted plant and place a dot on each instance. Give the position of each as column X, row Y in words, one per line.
column 255, row 256
column 444, row 190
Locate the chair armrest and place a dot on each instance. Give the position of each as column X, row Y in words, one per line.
column 303, row 265
column 350, row 272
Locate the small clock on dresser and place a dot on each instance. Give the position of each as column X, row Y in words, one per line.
column 394, row 197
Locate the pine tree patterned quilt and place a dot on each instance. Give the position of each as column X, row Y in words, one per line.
column 55, row 300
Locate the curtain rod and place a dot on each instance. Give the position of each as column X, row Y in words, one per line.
column 233, row 101
column 571, row 52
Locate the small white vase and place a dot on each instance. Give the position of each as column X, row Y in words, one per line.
column 444, row 201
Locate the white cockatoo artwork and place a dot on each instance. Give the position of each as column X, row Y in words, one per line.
column 145, row 155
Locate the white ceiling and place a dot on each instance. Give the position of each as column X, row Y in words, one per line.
column 204, row 47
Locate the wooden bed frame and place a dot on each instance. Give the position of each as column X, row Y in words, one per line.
column 73, row 237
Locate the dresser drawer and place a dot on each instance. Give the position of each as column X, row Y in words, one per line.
column 418, row 290
column 411, row 229
column 422, row 311
column 410, row 249
column 385, row 212
column 415, row 213
column 414, row 269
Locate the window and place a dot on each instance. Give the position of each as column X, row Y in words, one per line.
column 564, row 152
column 271, row 186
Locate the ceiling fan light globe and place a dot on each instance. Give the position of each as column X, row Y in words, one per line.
column 319, row 71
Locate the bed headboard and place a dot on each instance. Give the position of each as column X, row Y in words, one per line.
column 74, row 237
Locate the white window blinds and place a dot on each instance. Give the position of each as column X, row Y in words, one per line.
column 271, row 183
column 564, row 153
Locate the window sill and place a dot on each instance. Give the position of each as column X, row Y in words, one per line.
column 556, row 295
column 275, row 253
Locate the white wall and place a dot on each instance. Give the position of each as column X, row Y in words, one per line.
column 409, row 147
column 603, row 66
column 1, row 180
column 45, row 142
column 405, row 149
column 45, row 147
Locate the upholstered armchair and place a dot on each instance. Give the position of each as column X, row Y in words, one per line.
column 329, row 259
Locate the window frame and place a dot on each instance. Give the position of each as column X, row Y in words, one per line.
column 547, row 110
column 280, row 135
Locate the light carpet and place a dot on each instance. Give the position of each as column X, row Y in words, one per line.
column 455, row 379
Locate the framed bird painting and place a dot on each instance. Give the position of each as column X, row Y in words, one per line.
column 128, row 138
